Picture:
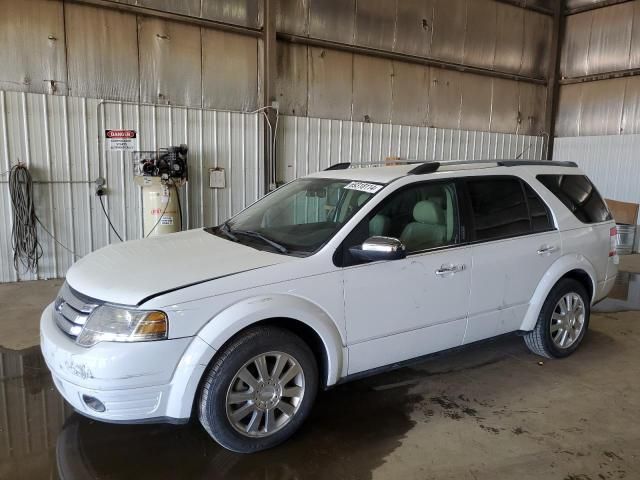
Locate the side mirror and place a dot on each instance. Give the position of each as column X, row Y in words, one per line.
column 379, row 248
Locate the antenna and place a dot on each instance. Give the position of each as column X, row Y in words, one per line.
column 523, row 152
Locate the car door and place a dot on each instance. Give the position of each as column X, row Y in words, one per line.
column 514, row 243
column 401, row 309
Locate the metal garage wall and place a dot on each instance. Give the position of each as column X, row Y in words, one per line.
column 605, row 107
column 600, row 45
column 598, row 113
column 307, row 145
column 611, row 161
column 247, row 13
column 322, row 83
column 62, row 48
column 484, row 33
column 59, row 139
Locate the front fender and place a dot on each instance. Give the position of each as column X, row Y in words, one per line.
column 558, row 269
column 252, row 310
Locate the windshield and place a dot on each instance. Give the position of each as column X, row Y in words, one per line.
column 299, row 217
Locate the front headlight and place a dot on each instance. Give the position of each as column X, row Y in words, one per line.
column 114, row 324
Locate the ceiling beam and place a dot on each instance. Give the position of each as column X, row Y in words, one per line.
column 176, row 17
column 631, row 72
column 402, row 57
column 594, row 6
column 527, row 5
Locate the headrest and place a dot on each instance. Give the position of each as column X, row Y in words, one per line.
column 428, row 212
column 362, row 198
column 439, row 201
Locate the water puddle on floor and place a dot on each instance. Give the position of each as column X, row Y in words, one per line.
column 625, row 295
column 42, row 437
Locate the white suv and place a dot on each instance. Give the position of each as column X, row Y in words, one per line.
column 329, row 278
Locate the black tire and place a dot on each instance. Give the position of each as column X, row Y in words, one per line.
column 212, row 405
column 540, row 340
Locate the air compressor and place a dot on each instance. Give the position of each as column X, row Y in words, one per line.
column 161, row 174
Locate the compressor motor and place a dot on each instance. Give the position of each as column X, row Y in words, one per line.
column 168, row 163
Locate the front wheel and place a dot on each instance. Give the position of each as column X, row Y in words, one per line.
column 259, row 390
column 563, row 321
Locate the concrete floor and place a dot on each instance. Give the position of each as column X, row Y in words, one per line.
column 21, row 305
column 491, row 411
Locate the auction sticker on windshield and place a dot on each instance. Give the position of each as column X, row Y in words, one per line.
column 363, row 187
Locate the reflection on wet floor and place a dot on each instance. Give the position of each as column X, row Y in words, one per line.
column 43, row 438
column 625, row 295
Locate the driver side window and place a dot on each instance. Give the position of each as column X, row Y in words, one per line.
column 423, row 217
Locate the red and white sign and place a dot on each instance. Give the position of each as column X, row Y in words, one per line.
column 121, row 140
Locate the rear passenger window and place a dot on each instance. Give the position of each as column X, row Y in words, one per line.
column 579, row 195
column 499, row 208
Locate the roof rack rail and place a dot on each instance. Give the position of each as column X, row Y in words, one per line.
column 395, row 163
column 338, row 166
column 550, row 163
column 424, row 168
column 433, row 166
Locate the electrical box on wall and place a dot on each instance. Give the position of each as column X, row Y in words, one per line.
column 216, row 178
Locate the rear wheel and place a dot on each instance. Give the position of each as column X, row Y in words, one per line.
column 563, row 321
column 259, row 390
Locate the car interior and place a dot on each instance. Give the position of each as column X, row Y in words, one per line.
column 421, row 217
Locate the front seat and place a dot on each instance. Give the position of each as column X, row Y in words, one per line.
column 428, row 230
column 379, row 224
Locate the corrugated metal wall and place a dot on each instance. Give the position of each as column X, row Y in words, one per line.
column 66, row 48
column 599, row 101
column 247, row 13
column 59, row 139
column 611, row 161
column 605, row 41
column 322, row 83
column 307, row 145
column 484, row 33
column 572, row 4
column 66, row 55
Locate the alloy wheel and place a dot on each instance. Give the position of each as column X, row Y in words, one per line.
column 567, row 320
column 265, row 394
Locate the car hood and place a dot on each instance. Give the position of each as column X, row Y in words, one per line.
column 129, row 272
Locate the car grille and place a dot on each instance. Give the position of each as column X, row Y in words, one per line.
column 72, row 311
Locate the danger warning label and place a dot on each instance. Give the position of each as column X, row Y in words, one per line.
column 121, row 140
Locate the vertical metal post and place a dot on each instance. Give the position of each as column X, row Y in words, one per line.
column 269, row 66
column 554, row 75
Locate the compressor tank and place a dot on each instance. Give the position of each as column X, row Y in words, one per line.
column 161, row 207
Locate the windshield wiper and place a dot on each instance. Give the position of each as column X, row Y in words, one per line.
column 252, row 234
column 226, row 229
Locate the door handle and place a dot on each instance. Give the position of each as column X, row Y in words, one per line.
column 547, row 249
column 449, row 270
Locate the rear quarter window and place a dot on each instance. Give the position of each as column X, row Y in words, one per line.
column 499, row 208
column 579, row 195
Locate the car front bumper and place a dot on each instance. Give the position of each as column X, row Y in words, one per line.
column 136, row 382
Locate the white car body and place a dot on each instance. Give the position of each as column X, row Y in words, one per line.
column 366, row 316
